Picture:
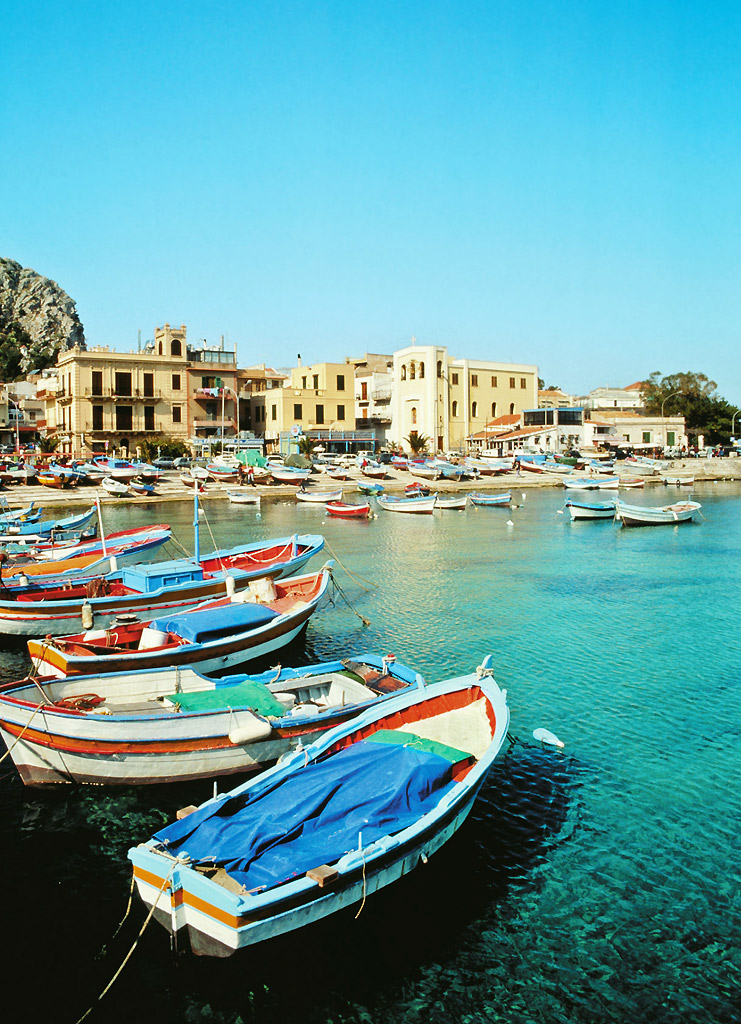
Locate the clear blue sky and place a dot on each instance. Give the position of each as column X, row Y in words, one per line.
column 551, row 183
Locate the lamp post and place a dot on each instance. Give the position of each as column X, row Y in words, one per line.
column 733, row 421
column 672, row 395
column 17, row 437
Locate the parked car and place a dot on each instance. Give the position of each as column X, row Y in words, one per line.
column 182, row 462
column 164, row 463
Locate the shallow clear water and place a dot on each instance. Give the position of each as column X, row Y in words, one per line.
column 597, row 884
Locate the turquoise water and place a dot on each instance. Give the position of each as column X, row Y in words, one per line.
column 596, row 884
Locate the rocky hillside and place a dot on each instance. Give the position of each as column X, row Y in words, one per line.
column 37, row 320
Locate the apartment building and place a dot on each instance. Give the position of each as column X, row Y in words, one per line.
column 314, row 400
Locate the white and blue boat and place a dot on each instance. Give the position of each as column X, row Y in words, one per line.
column 593, row 510
column 330, row 825
column 490, row 500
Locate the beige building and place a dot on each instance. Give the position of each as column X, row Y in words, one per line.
column 313, row 400
column 121, row 397
column 449, row 399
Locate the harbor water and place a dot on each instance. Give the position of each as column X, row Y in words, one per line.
column 597, row 883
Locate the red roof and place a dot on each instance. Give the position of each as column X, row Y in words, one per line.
column 635, row 387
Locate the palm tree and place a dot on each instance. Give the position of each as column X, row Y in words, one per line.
column 306, row 446
column 47, row 445
column 418, row 443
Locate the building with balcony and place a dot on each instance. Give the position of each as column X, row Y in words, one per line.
column 374, row 389
column 213, row 392
column 449, row 399
column 315, row 401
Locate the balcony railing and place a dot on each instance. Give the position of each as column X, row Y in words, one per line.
column 213, row 421
column 141, row 393
column 381, row 395
column 88, row 428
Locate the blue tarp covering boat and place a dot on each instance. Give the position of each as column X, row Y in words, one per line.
column 212, row 623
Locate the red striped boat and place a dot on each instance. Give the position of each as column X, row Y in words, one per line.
column 347, row 510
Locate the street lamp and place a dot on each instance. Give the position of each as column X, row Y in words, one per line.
column 672, row 395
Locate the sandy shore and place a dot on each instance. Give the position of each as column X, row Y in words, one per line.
column 170, row 487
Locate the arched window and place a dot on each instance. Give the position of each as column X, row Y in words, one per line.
column 474, row 409
column 160, row 348
column 414, row 414
column 439, row 367
column 455, row 408
column 176, row 349
column 421, row 370
column 412, row 371
column 512, row 409
column 403, row 372
column 493, row 408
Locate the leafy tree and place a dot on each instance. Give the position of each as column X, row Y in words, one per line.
column 418, row 443
column 47, row 445
column 694, row 396
column 306, row 445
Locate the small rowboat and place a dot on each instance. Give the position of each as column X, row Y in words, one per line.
column 630, row 482
column 337, row 473
column 175, row 725
column 243, row 497
column 452, row 501
column 288, row 475
column 490, row 500
column 319, row 497
column 416, row 488
column 374, row 470
column 213, row 636
column 424, row 504
column 118, row 488
column 119, row 469
column 87, row 555
column 367, row 488
column 647, row 515
column 337, row 834
column 196, row 476
column 222, row 473
column 139, row 487
column 679, row 481
column 584, row 510
column 592, row 483
column 347, row 510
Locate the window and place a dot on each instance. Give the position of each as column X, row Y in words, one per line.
column 177, row 414
column 124, row 418
column 403, row 372
column 439, row 367
column 176, row 382
column 176, row 349
column 455, row 409
column 523, row 382
column 160, row 349
column 149, row 385
column 493, row 382
column 364, row 391
column 412, row 371
column 493, row 409
column 512, row 382
column 340, row 412
column 671, row 437
column 149, row 417
column 297, row 412
column 97, row 417
column 421, row 370
column 414, row 414
column 320, row 414
column 303, row 382
column 273, row 412
column 340, row 382
column 315, row 378
column 512, row 408
column 646, row 436
column 454, row 378
column 123, row 386
column 474, row 380
column 474, row 409
column 97, row 382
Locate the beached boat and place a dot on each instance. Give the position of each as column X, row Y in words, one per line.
column 175, row 725
column 214, row 636
column 195, row 477
column 330, row 825
column 222, row 473
column 648, row 515
column 592, row 483
column 586, row 510
column 319, row 497
column 480, row 499
column 243, row 497
column 139, row 487
column 374, row 470
column 337, row 473
column 85, row 556
column 424, row 471
column 347, row 510
column 418, row 505
column 116, row 488
column 118, row 469
column 368, row 488
column 58, row 477
column 288, row 474
column 59, row 606
column 451, row 501
column 416, row 488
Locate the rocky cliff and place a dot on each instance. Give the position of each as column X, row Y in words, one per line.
column 37, row 320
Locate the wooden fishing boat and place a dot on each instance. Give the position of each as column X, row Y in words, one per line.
column 87, row 556
column 222, row 473
column 214, row 636
column 116, row 488
column 347, row 510
column 411, row 490
column 139, row 487
column 175, row 725
column 337, row 473
column 418, row 505
column 195, row 477
column 647, row 515
column 337, row 834
column 288, row 474
column 243, row 497
column 451, row 501
column 47, row 527
column 631, row 482
column 319, row 497
column 482, row 500
column 679, row 481
column 592, row 483
column 9, row 515
column 585, row 510
column 368, row 488
column 58, row 477
column 374, row 470
column 53, row 607
column 117, row 469
column 423, row 471
column 528, row 466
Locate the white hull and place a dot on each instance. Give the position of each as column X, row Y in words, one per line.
column 638, row 515
column 319, row 497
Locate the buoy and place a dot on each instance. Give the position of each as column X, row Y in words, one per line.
column 510, row 523
column 544, row 736
column 86, row 614
column 114, row 563
column 523, row 495
column 230, row 586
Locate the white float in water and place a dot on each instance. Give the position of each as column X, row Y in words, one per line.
column 544, row 736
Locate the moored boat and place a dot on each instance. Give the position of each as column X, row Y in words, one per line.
column 592, row 483
column 418, row 505
column 348, row 510
column 451, row 501
column 369, row 488
column 87, row 555
column 490, row 500
column 168, row 725
column 679, row 481
column 319, row 497
column 587, row 510
column 214, row 636
column 243, row 497
column 650, row 515
column 340, row 833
